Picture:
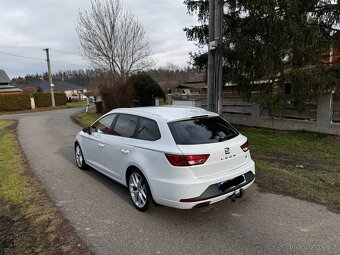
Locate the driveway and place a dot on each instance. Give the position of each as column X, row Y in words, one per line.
column 101, row 212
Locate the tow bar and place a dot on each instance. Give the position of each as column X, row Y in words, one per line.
column 236, row 195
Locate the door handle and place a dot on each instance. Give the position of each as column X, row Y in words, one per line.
column 125, row 152
column 101, row 145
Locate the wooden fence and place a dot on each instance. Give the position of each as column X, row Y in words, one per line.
column 336, row 109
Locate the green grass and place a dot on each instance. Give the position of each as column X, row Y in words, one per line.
column 300, row 164
column 29, row 222
column 85, row 119
column 77, row 104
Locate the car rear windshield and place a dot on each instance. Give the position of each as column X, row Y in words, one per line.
column 202, row 130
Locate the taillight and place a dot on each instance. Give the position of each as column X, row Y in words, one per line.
column 245, row 146
column 187, row 160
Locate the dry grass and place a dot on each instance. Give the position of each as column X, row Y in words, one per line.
column 29, row 222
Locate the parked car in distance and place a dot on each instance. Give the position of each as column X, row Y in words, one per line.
column 182, row 157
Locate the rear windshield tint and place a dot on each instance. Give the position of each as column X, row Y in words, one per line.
column 202, row 131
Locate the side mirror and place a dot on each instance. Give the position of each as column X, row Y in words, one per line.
column 87, row 130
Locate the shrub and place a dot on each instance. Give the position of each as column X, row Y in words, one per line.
column 115, row 93
column 146, row 89
column 60, row 98
column 29, row 90
column 44, row 99
column 15, row 102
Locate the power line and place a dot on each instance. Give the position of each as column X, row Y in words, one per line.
column 39, row 48
column 64, row 52
column 19, row 56
column 20, row 47
column 54, row 61
column 34, row 58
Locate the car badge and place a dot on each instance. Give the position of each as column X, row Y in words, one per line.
column 227, row 150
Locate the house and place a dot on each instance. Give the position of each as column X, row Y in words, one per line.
column 191, row 88
column 5, row 85
column 332, row 56
column 72, row 91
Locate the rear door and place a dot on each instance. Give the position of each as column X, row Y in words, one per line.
column 121, row 144
column 213, row 136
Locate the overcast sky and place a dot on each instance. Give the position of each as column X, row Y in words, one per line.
column 28, row 26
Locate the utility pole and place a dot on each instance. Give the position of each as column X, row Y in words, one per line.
column 215, row 60
column 218, row 55
column 211, row 57
column 50, row 75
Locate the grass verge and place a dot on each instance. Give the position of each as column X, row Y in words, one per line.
column 77, row 104
column 300, row 164
column 29, row 222
column 85, row 119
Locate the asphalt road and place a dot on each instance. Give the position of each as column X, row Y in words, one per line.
column 101, row 212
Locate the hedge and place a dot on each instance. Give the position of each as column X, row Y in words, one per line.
column 15, row 102
column 44, row 99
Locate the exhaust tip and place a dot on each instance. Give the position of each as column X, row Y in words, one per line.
column 202, row 204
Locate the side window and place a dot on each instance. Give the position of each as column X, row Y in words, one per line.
column 148, row 130
column 125, row 125
column 103, row 126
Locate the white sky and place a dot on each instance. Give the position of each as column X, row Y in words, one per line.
column 51, row 24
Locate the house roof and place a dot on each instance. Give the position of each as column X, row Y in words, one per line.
column 58, row 86
column 4, row 79
column 192, row 85
column 9, row 89
column 5, row 84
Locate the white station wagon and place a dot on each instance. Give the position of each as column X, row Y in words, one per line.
column 182, row 157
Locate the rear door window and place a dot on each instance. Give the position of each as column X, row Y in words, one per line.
column 148, row 130
column 125, row 125
column 202, row 131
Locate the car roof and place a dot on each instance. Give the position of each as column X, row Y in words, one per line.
column 169, row 113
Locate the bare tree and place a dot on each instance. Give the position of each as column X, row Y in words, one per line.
column 112, row 39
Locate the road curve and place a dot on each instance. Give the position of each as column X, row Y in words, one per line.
column 102, row 214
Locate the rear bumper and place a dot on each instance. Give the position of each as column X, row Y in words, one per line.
column 187, row 195
column 213, row 190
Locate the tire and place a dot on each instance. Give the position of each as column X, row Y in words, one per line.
column 139, row 190
column 79, row 157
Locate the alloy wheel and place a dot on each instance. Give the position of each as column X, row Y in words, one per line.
column 138, row 190
column 79, row 156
